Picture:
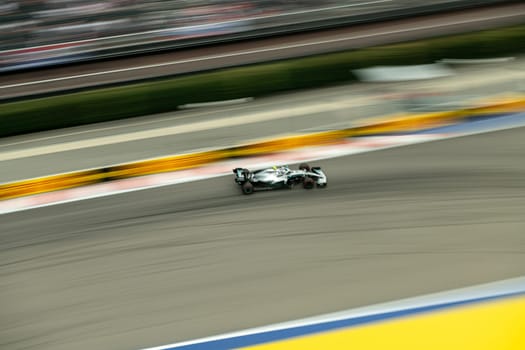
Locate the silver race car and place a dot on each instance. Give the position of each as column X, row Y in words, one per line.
column 278, row 177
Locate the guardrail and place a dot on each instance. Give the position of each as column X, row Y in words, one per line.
column 240, row 29
column 387, row 125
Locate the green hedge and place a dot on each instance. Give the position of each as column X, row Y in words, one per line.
column 256, row 80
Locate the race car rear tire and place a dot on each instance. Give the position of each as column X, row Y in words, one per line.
column 304, row 166
column 308, row 183
column 247, row 188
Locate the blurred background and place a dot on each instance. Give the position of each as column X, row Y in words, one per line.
column 61, row 27
column 45, row 32
column 27, row 23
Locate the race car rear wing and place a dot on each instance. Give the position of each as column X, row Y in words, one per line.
column 240, row 174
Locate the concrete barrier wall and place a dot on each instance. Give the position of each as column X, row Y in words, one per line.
column 51, row 183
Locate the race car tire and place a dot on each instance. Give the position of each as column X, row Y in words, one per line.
column 247, row 188
column 304, row 166
column 308, row 183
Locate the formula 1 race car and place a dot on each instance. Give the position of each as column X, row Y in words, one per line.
column 279, row 177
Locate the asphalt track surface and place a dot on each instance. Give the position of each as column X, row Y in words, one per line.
column 253, row 51
column 157, row 266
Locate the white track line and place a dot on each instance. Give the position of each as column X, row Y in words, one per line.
column 491, row 289
column 181, row 129
column 257, row 51
column 129, row 123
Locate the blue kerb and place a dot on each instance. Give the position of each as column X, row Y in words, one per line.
column 281, row 334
